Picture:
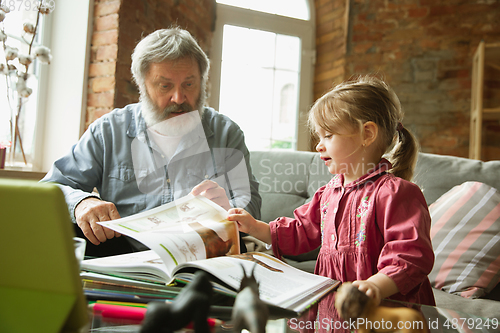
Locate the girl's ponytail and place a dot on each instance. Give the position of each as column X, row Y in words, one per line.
column 404, row 155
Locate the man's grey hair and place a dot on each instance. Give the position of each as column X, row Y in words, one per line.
column 167, row 45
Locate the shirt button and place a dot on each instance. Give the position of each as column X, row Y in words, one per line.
column 168, row 180
column 206, row 176
column 333, row 237
column 335, row 210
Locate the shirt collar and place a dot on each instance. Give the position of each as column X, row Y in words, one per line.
column 137, row 124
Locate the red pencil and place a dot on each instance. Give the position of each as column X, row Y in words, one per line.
column 132, row 313
column 111, row 311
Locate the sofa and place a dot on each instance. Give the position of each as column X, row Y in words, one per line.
column 289, row 179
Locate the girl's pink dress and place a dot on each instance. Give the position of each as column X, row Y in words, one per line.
column 379, row 223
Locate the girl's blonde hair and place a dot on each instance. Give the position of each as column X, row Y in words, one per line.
column 364, row 99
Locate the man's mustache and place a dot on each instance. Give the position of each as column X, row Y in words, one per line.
column 184, row 107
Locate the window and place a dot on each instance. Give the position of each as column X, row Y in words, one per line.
column 23, row 142
column 261, row 76
column 292, row 8
column 60, row 98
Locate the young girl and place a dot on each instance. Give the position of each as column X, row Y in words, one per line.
column 371, row 222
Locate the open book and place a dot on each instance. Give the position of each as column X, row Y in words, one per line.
column 193, row 234
column 279, row 283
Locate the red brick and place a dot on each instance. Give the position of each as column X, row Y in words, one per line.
column 442, row 10
column 102, row 84
column 367, row 37
column 107, row 52
column 324, row 28
column 105, row 37
column 106, row 8
column 325, row 75
column 460, row 73
column 101, row 99
column 102, row 69
column 405, row 34
column 107, row 22
column 322, row 3
column 327, row 37
column 362, row 47
column 441, row 140
column 361, row 28
column 418, row 12
column 429, row 44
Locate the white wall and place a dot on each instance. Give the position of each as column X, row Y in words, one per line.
column 62, row 120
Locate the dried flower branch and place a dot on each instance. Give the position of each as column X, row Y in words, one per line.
column 17, row 74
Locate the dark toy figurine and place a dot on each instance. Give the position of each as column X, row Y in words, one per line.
column 249, row 311
column 353, row 304
column 191, row 305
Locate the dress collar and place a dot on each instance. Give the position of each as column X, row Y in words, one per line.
column 382, row 167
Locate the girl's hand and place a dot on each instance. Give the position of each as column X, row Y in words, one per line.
column 249, row 225
column 369, row 288
column 377, row 286
column 245, row 221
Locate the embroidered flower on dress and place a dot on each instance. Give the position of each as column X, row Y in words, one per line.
column 323, row 211
column 335, row 181
column 361, row 235
column 361, row 213
column 363, row 208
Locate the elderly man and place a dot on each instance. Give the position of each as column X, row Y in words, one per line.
column 153, row 152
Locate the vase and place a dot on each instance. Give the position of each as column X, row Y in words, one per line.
column 3, row 155
column 15, row 155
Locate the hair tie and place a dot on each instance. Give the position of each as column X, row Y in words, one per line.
column 400, row 127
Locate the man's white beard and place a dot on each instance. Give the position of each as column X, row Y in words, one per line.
column 180, row 125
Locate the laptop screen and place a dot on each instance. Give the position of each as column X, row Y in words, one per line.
column 40, row 286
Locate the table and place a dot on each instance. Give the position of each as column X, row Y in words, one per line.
column 98, row 325
column 438, row 320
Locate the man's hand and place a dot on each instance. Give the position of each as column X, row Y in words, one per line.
column 211, row 190
column 92, row 210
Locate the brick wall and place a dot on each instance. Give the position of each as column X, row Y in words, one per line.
column 118, row 26
column 424, row 50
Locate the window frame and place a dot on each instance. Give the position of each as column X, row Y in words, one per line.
column 303, row 29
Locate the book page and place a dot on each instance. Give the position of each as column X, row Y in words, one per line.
column 279, row 283
column 143, row 266
column 188, row 229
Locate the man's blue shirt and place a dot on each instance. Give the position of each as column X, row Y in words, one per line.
column 116, row 157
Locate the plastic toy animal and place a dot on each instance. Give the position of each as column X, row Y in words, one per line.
column 191, row 305
column 249, row 311
column 353, row 304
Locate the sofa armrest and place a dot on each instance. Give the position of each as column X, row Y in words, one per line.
column 479, row 307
